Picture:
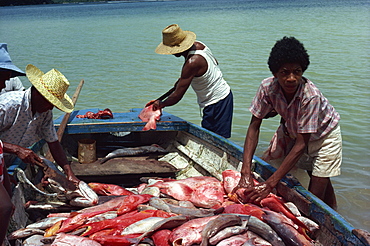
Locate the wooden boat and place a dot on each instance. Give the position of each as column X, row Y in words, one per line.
column 193, row 151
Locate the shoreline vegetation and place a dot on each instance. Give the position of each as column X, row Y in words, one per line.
column 38, row 2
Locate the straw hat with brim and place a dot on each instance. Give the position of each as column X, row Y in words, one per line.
column 175, row 40
column 6, row 63
column 52, row 85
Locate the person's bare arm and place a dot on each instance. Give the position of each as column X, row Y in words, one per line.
column 257, row 193
column 25, row 154
column 60, row 158
column 250, row 145
column 194, row 66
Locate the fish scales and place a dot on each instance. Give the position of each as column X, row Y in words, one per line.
column 168, row 223
column 227, row 232
column 286, row 231
column 218, row 224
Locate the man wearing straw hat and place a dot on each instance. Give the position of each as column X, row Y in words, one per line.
column 8, row 71
column 26, row 116
column 201, row 71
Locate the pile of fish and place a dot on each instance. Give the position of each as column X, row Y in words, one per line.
column 163, row 212
column 59, row 187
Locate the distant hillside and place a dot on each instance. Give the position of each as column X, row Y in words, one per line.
column 33, row 2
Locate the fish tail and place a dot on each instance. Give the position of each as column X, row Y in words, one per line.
column 103, row 160
column 151, row 124
column 135, row 241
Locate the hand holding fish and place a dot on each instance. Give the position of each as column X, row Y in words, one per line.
column 151, row 116
column 150, row 102
column 237, row 194
column 157, row 104
column 70, row 175
column 256, row 193
column 250, row 190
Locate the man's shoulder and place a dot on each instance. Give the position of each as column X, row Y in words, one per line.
column 196, row 61
column 310, row 89
column 11, row 98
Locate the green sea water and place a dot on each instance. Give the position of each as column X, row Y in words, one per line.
column 111, row 46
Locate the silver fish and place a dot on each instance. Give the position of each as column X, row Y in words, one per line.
column 311, row 225
column 262, row 229
column 265, row 231
column 143, row 207
column 160, row 204
column 45, row 223
column 22, row 178
column 186, row 204
column 217, row 224
column 227, row 232
column 86, row 196
column 154, row 191
column 287, row 232
column 142, row 150
column 25, row 232
column 104, row 216
column 168, row 223
column 191, row 212
column 293, row 208
column 141, row 226
column 34, row 240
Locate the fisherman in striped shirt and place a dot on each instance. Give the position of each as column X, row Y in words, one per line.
column 309, row 135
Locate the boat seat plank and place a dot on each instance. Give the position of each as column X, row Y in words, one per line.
column 123, row 170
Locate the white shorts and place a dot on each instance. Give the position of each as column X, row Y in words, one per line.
column 324, row 156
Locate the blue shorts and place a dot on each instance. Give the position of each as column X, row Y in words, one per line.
column 218, row 117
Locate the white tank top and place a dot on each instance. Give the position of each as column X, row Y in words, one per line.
column 210, row 88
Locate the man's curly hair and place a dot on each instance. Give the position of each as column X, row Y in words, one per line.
column 288, row 50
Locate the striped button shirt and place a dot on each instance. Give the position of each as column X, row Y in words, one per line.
column 308, row 112
column 18, row 125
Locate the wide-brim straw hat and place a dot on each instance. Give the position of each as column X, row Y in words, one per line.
column 6, row 62
column 175, row 40
column 52, row 85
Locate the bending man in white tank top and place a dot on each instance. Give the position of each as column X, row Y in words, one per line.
column 201, row 71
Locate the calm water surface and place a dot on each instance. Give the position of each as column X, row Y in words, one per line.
column 111, row 46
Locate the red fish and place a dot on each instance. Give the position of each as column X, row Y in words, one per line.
column 189, row 233
column 248, row 209
column 123, row 221
column 161, row 237
column 275, row 204
column 110, row 205
column 131, row 202
column 109, row 189
column 150, row 116
column 230, row 179
column 102, row 114
column 79, row 219
column 203, row 191
column 111, row 240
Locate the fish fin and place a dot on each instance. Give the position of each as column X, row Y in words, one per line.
column 135, row 241
column 103, row 160
column 151, row 124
